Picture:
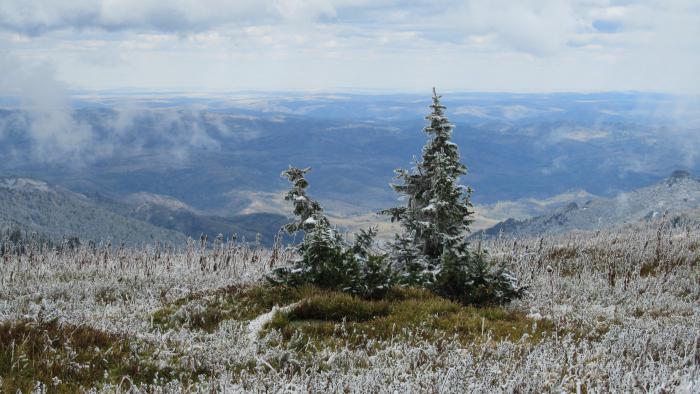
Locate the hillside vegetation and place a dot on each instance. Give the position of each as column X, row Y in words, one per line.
column 53, row 212
column 35, row 206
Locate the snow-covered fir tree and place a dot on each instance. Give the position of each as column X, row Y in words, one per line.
column 433, row 250
column 438, row 213
column 308, row 211
column 322, row 245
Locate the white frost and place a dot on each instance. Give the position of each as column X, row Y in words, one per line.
column 256, row 325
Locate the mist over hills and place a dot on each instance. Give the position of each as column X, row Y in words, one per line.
column 172, row 214
column 223, row 154
column 210, row 163
column 676, row 199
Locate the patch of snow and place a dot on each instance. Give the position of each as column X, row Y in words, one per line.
column 562, row 309
column 256, row 325
column 144, row 198
column 690, row 382
column 534, row 316
column 24, row 184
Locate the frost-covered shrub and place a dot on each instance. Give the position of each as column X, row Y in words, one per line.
column 432, row 251
column 325, row 259
column 469, row 278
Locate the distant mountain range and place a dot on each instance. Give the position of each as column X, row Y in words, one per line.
column 488, row 215
column 676, row 198
column 174, row 165
column 222, row 154
column 54, row 212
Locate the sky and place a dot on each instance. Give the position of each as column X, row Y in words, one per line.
column 347, row 45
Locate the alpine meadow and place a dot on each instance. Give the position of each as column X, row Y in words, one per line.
column 267, row 197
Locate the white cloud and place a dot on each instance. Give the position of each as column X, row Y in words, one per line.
column 34, row 17
column 528, row 45
column 50, row 131
column 537, row 27
column 50, row 127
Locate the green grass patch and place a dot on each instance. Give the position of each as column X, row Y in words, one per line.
column 68, row 358
column 205, row 311
column 325, row 318
column 109, row 295
column 336, row 320
column 339, row 306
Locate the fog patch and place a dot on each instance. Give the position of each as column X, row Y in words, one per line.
column 48, row 122
column 577, row 134
column 43, row 127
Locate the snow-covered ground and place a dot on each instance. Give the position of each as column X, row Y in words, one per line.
column 632, row 295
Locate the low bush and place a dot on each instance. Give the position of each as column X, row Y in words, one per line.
column 327, row 261
column 471, row 280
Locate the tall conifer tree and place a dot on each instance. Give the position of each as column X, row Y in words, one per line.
column 432, row 250
column 438, row 213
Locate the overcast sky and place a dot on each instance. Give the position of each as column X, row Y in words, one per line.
column 384, row 45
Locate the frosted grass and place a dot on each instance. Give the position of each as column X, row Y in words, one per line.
column 625, row 302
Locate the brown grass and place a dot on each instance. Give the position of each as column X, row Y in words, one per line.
column 68, row 358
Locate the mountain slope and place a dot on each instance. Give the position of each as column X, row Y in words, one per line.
column 54, row 212
column 677, row 196
column 167, row 212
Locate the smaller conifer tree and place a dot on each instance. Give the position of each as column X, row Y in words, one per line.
column 308, row 211
column 325, row 259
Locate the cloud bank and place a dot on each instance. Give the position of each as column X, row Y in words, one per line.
column 496, row 45
column 46, row 119
column 44, row 128
column 35, row 17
